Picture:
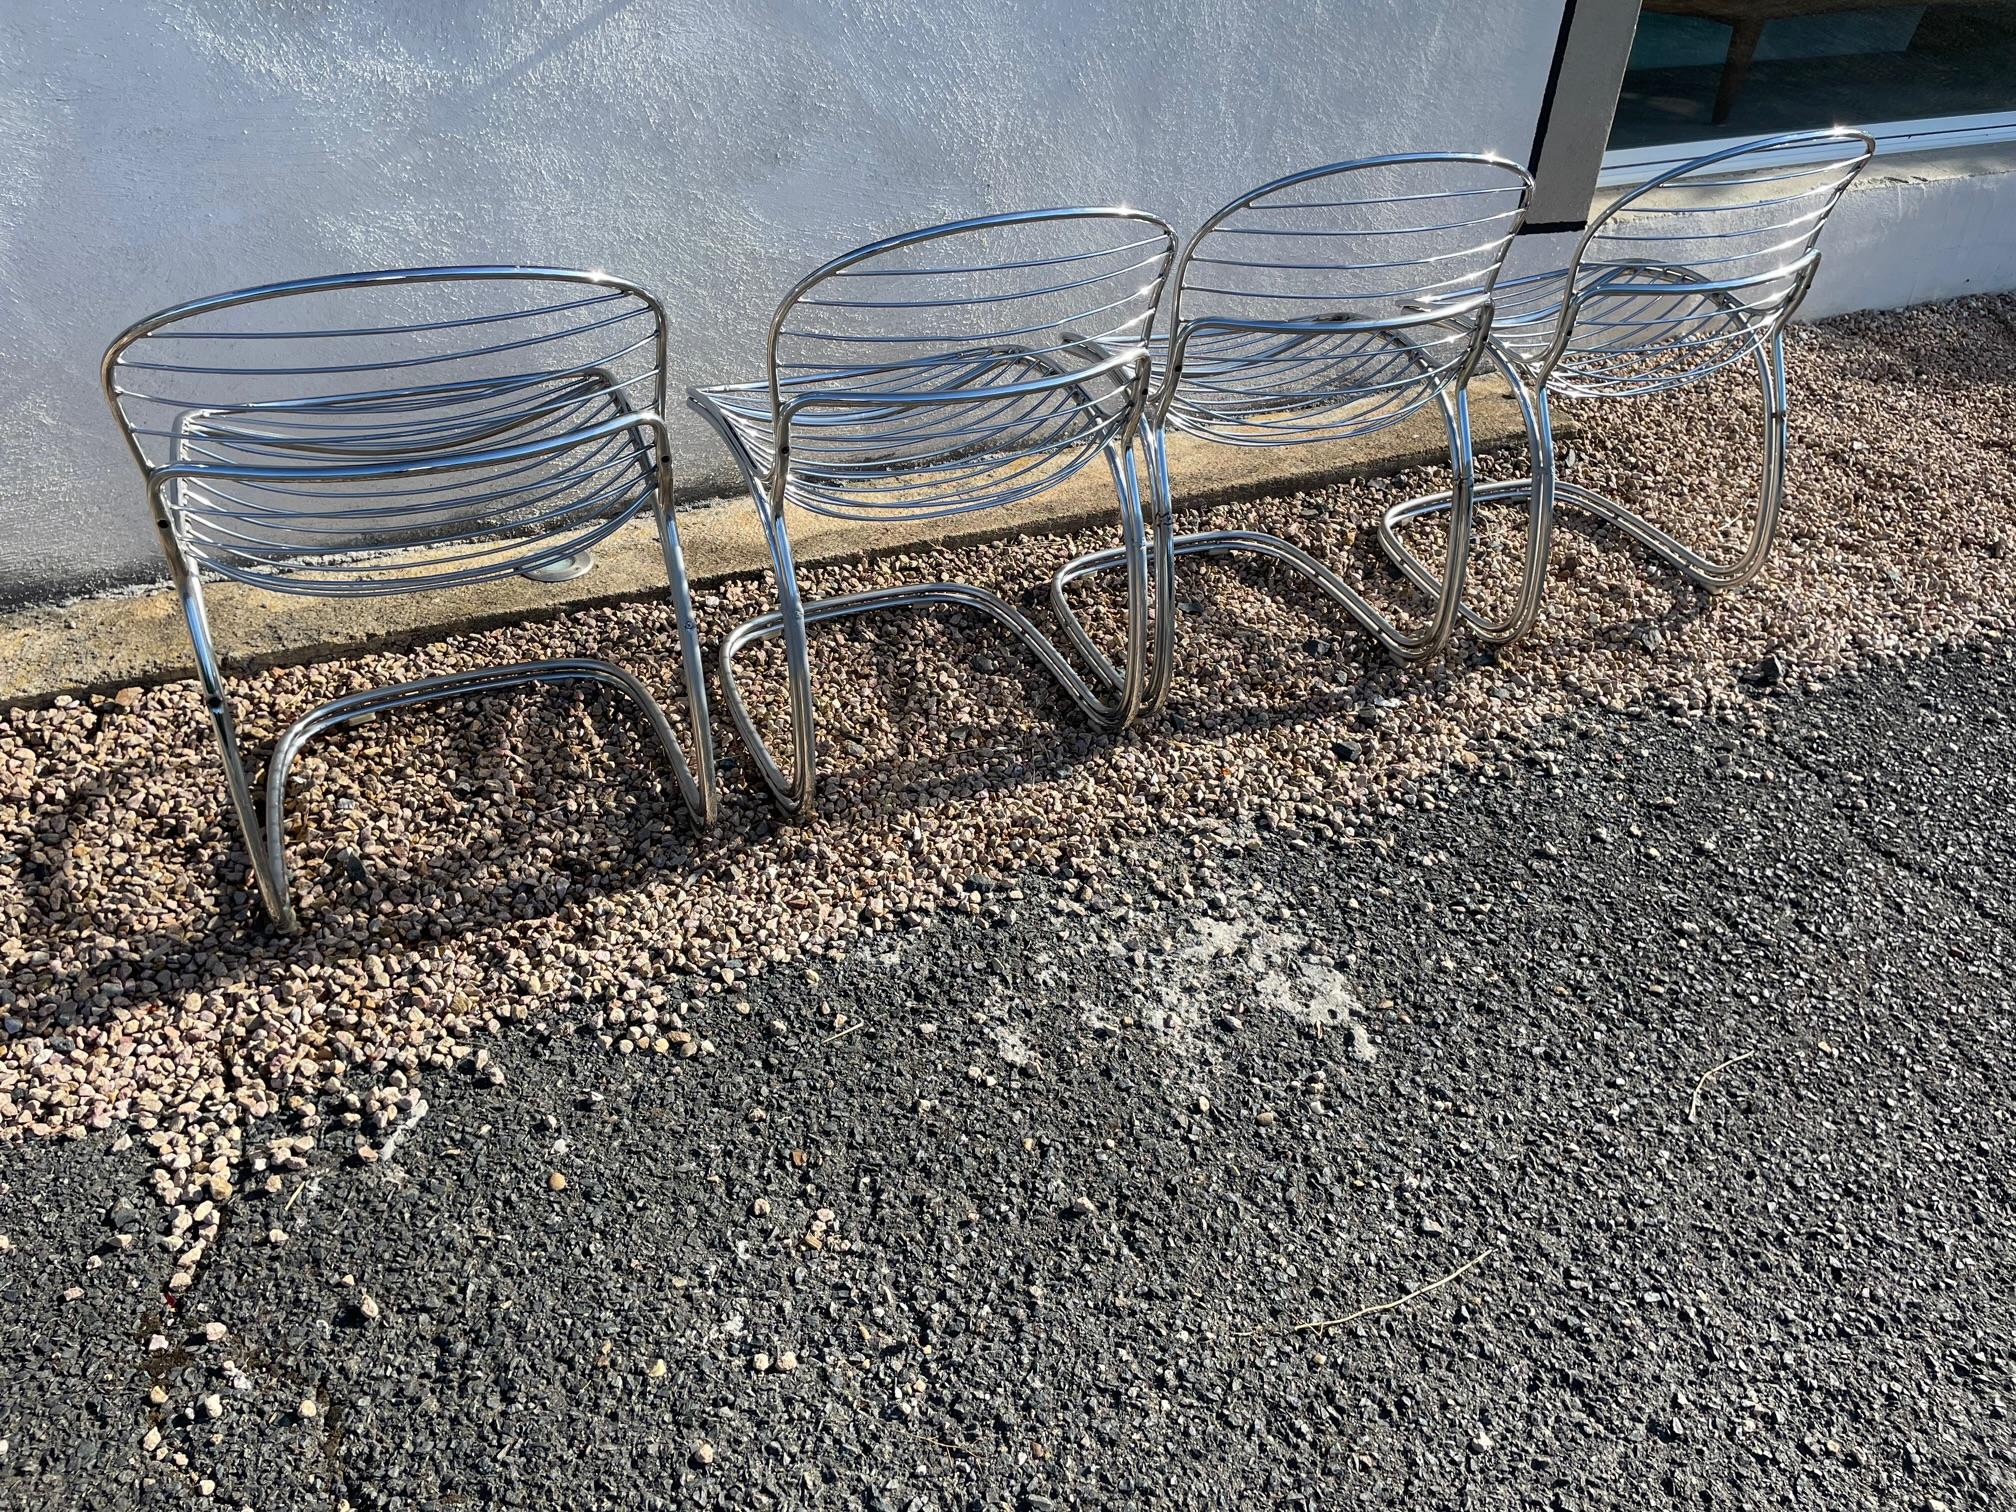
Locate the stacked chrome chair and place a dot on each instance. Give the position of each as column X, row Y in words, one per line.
column 1698, row 270
column 1323, row 306
column 955, row 369
column 396, row 432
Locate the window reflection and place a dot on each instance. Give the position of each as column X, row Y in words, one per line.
column 1703, row 69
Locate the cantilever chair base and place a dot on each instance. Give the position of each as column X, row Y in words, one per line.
column 1702, row 572
column 1540, row 502
column 267, row 840
column 1396, row 643
column 1549, row 491
column 1406, row 648
column 793, row 796
column 1539, row 496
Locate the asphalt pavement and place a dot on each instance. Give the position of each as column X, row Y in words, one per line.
column 1624, row 1123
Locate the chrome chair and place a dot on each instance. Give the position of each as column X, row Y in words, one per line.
column 1298, row 317
column 393, row 432
column 1696, row 271
column 953, row 369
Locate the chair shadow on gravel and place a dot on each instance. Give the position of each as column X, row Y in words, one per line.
column 1586, row 539
column 527, row 804
column 1046, row 733
column 430, row 876
column 618, row 795
column 1042, row 730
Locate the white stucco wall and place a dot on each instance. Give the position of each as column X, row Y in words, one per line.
column 710, row 150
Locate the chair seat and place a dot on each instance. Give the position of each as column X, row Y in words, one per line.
column 1627, row 343
column 1009, row 425
column 414, row 426
column 420, row 522
column 1273, row 388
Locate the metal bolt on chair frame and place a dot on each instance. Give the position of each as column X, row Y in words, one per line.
column 1299, row 316
column 948, row 370
column 1697, row 270
column 393, row 432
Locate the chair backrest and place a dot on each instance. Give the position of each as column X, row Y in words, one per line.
column 385, row 432
column 1699, row 267
column 1340, row 299
column 968, row 364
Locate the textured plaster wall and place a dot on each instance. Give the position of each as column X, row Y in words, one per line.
column 711, row 150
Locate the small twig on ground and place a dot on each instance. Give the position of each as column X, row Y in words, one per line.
column 1378, row 1307
column 841, row 1034
column 1694, row 1104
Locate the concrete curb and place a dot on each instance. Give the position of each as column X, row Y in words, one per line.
column 112, row 641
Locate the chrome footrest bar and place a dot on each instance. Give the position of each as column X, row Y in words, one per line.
column 794, row 794
column 269, row 849
column 1402, row 647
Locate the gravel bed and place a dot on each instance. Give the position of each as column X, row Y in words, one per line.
column 470, row 866
column 1682, row 1047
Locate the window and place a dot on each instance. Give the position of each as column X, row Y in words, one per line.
column 1718, row 70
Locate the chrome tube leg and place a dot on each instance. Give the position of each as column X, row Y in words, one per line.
column 798, row 660
column 1703, row 571
column 1533, row 410
column 267, row 845
column 1537, row 489
column 1134, row 543
column 1771, row 486
column 793, row 794
column 698, row 786
column 1148, row 543
column 1162, row 544
column 1456, row 553
column 265, row 842
column 1719, row 577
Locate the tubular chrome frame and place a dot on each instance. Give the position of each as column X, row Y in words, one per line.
column 1618, row 324
column 444, row 442
column 1225, row 376
column 947, row 429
